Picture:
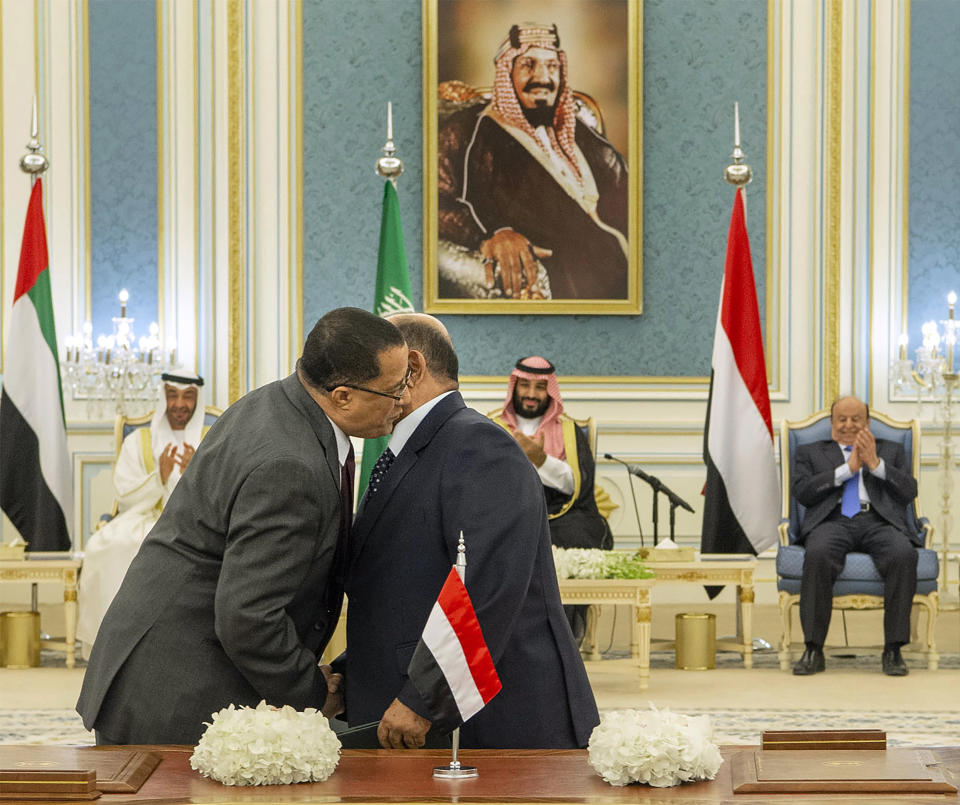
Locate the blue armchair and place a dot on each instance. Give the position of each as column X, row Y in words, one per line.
column 859, row 586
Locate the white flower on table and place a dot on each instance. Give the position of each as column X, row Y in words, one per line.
column 267, row 746
column 656, row 747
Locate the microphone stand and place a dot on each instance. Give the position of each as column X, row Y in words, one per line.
column 658, row 486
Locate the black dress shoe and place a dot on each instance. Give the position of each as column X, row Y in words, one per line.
column 810, row 663
column 893, row 664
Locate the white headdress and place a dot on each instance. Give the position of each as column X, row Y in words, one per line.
column 160, row 431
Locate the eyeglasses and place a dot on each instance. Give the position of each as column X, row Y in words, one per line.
column 401, row 388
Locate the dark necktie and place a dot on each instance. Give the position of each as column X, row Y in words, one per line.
column 380, row 470
column 850, row 501
column 347, row 472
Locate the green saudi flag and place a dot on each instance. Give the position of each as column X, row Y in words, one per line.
column 392, row 295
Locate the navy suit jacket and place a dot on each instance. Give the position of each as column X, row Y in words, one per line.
column 813, row 485
column 461, row 472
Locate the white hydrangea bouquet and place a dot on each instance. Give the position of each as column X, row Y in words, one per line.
column 656, row 747
column 267, row 746
column 593, row 563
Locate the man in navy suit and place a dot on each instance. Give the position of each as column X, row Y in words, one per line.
column 454, row 470
column 855, row 490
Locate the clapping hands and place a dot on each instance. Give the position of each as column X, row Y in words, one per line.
column 864, row 451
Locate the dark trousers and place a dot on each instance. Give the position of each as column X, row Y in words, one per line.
column 826, row 548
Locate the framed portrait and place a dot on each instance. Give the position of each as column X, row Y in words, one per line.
column 533, row 156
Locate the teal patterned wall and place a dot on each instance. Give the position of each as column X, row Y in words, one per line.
column 934, row 207
column 123, row 160
column 699, row 57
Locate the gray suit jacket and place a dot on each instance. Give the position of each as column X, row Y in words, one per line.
column 235, row 591
column 459, row 471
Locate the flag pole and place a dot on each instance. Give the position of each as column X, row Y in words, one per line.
column 34, row 163
column 392, row 292
column 455, row 770
column 738, row 174
column 389, row 165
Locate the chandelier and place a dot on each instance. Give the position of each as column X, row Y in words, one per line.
column 117, row 371
column 933, row 377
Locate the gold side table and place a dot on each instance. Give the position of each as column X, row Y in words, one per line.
column 58, row 567
column 634, row 593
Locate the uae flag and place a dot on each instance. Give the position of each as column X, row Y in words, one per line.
column 391, row 295
column 742, row 493
column 451, row 667
column 35, row 478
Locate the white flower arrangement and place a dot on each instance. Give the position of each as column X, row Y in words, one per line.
column 656, row 747
column 267, row 746
column 594, row 563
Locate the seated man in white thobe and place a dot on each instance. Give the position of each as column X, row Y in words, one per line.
column 148, row 468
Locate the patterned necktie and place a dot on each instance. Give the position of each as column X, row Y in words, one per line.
column 850, row 502
column 347, row 472
column 380, row 470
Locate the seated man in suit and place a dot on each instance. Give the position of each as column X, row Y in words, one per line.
column 533, row 415
column 149, row 465
column 449, row 469
column 855, row 490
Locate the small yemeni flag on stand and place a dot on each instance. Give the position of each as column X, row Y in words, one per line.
column 392, row 295
column 451, row 667
column 36, row 490
column 742, row 493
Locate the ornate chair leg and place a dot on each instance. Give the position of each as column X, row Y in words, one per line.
column 933, row 658
column 785, row 631
column 590, row 634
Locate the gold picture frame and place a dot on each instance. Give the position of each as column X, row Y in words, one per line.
column 603, row 42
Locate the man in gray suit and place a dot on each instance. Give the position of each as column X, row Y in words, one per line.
column 238, row 587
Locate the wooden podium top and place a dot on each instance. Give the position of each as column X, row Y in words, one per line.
column 506, row 776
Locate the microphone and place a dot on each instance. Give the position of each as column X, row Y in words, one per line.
column 633, row 469
column 656, row 483
column 633, row 494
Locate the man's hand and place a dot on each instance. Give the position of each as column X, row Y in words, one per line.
column 333, row 704
column 532, row 447
column 401, row 728
column 184, row 458
column 168, row 458
column 865, row 447
column 517, row 257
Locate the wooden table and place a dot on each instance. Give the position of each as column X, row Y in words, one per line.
column 634, row 593
column 505, row 776
column 717, row 569
column 58, row 567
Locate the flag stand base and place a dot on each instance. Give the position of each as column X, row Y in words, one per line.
column 455, row 771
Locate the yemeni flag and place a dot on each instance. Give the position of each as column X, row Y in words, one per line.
column 392, row 295
column 35, row 478
column 742, row 493
column 451, row 667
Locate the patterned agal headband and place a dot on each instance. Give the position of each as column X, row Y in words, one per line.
column 529, row 33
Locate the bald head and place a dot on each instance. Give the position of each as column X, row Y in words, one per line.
column 848, row 416
column 430, row 338
column 433, row 362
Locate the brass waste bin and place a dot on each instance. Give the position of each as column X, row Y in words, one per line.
column 696, row 641
column 21, row 639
